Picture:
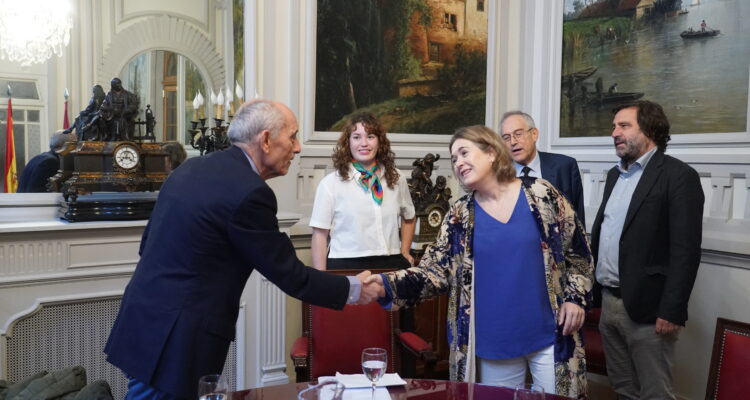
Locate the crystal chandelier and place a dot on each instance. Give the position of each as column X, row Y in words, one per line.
column 31, row 30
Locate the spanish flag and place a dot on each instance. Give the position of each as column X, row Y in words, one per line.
column 66, row 121
column 11, row 177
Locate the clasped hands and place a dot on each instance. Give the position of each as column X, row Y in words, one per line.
column 372, row 287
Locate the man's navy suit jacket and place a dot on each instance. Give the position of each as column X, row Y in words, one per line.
column 213, row 224
column 562, row 172
column 37, row 171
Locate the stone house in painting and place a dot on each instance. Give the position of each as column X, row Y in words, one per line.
column 454, row 22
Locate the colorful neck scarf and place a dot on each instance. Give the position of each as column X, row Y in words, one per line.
column 369, row 180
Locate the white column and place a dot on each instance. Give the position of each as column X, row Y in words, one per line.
column 261, row 350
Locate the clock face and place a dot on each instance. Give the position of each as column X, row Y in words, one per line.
column 126, row 157
column 435, row 217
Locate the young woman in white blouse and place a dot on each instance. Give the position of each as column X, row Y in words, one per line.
column 362, row 203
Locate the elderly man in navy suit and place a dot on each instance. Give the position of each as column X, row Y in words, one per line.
column 213, row 224
column 520, row 134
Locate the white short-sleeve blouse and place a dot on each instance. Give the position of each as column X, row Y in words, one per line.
column 359, row 227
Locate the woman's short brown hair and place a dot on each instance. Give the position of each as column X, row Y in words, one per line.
column 489, row 142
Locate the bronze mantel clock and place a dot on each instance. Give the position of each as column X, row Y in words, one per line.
column 118, row 166
column 108, row 173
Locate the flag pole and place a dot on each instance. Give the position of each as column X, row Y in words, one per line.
column 10, row 179
column 66, row 121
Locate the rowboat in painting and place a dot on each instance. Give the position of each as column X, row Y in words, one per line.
column 577, row 76
column 699, row 34
column 581, row 74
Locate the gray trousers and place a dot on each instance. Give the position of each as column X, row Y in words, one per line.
column 639, row 361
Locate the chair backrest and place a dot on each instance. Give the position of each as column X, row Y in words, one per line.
column 337, row 338
column 592, row 340
column 730, row 361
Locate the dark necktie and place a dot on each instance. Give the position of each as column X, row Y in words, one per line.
column 525, row 171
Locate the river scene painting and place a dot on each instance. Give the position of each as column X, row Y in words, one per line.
column 419, row 66
column 690, row 56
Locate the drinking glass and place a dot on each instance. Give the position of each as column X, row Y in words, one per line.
column 374, row 362
column 528, row 391
column 212, row 387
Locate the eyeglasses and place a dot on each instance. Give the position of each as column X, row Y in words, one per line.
column 517, row 134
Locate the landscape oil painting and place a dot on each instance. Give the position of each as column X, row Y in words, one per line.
column 420, row 66
column 690, row 56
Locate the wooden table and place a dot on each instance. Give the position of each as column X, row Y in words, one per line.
column 416, row 389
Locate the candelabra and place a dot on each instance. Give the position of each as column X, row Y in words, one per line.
column 215, row 140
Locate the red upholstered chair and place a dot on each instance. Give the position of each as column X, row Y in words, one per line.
column 333, row 340
column 730, row 361
column 592, row 340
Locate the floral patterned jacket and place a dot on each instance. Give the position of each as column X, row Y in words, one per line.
column 448, row 267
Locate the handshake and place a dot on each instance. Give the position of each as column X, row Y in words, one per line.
column 372, row 287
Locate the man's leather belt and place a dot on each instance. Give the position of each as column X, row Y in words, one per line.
column 615, row 291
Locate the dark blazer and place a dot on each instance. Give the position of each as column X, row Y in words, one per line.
column 214, row 223
column 562, row 172
column 660, row 245
column 37, row 171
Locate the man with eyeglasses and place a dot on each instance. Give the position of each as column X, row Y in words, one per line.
column 520, row 134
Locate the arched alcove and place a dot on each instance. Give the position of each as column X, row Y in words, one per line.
column 163, row 33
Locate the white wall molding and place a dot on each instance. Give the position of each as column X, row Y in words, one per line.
column 725, row 259
column 162, row 32
column 201, row 11
column 63, row 277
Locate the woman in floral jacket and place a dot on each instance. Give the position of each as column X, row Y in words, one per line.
column 525, row 302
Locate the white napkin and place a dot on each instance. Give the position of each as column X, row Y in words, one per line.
column 359, row 380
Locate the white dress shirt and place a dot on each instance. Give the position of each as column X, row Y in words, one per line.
column 535, row 165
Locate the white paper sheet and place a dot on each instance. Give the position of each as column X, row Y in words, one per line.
column 359, row 380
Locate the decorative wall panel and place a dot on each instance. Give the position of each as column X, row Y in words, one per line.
column 23, row 258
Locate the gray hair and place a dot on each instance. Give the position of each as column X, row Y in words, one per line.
column 254, row 117
column 59, row 138
column 526, row 117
